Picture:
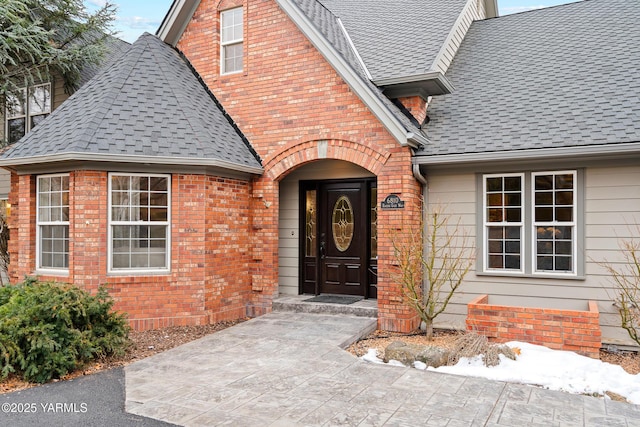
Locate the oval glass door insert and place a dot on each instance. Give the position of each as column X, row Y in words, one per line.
column 342, row 223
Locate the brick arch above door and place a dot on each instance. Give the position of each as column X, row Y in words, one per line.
column 299, row 154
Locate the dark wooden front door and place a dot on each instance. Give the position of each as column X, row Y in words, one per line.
column 337, row 237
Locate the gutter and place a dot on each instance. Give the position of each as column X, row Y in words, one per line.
column 123, row 158
column 583, row 151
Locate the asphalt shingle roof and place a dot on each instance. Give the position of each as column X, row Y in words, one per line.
column 566, row 76
column 397, row 39
column 149, row 104
column 327, row 22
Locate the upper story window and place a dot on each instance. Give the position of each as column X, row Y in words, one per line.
column 531, row 223
column 231, row 40
column 26, row 108
column 53, row 222
column 139, row 222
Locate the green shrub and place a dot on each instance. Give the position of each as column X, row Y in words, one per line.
column 48, row 329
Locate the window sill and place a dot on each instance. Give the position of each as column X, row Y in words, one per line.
column 127, row 273
column 50, row 273
column 531, row 276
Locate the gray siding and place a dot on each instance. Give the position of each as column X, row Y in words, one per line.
column 612, row 213
column 289, row 218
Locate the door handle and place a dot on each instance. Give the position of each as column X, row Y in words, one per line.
column 322, row 249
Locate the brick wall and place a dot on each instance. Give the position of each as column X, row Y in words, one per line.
column 287, row 100
column 210, row 234
column 571, row 330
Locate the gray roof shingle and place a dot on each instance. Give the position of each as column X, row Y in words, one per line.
column 399, row 39
column 566, row 76
column 327, row 22
column 149, row 104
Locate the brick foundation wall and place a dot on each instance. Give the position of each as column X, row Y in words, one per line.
column 288, row 101
column 571, row 330
column 210, row 237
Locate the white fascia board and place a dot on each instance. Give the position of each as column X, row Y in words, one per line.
column 123, row 158
column 347, row 73
column 176, row 20
column 570, row 153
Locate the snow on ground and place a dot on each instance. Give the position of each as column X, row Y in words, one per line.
column 552, row 369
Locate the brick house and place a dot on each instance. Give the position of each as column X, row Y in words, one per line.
column 269, row 143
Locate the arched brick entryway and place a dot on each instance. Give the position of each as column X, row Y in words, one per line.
column 393, row 172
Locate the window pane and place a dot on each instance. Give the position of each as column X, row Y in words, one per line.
column 157, row 184
column 564, row 181
column 494, row 215
column 54, row 246
column 513, row 215
column 544, row 214
column 39, row 100
column 503, row 246
column 15, row 103
column 16, row 129
column 544, row 182
column 494, row 184
column 513, row 199
column 233, row 58
column 544, row 198
column 232, row 25
column 156, row 199
column 494, row 199
column 564, row 214
column 513, row 183
column 564, row 198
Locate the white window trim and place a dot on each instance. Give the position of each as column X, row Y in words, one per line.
column 486, row 225
column 27, row 114
column 573, row 224
column 232, row 42
column 111, row 223
column 39, row 268
column 528, row 247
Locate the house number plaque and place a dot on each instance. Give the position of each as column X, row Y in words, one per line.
column 392, row 201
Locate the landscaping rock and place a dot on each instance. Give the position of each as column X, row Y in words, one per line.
column 409, row 353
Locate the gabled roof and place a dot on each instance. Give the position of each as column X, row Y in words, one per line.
column 397, row 39
column 328, row 34
column 565, row 79
column 150, row 107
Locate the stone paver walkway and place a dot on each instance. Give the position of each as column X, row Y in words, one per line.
column 287, row 369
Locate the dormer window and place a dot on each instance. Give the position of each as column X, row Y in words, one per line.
column 231, row 38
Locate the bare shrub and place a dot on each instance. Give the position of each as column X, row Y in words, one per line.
column 432, row 260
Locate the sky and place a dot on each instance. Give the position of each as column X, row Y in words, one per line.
column 137, row 16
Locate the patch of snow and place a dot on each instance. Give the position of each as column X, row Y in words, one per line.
column 538, row 365
column 419, row 365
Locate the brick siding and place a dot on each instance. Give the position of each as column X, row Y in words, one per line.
column 571, row 330
column 287, row 101
column 210, row 251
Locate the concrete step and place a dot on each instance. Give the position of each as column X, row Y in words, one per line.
column 297, row 304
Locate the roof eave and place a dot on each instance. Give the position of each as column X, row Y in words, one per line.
column 349, row 75
column 176, row 20
column 583, row 152
column 425, row 85
column 124, row 158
